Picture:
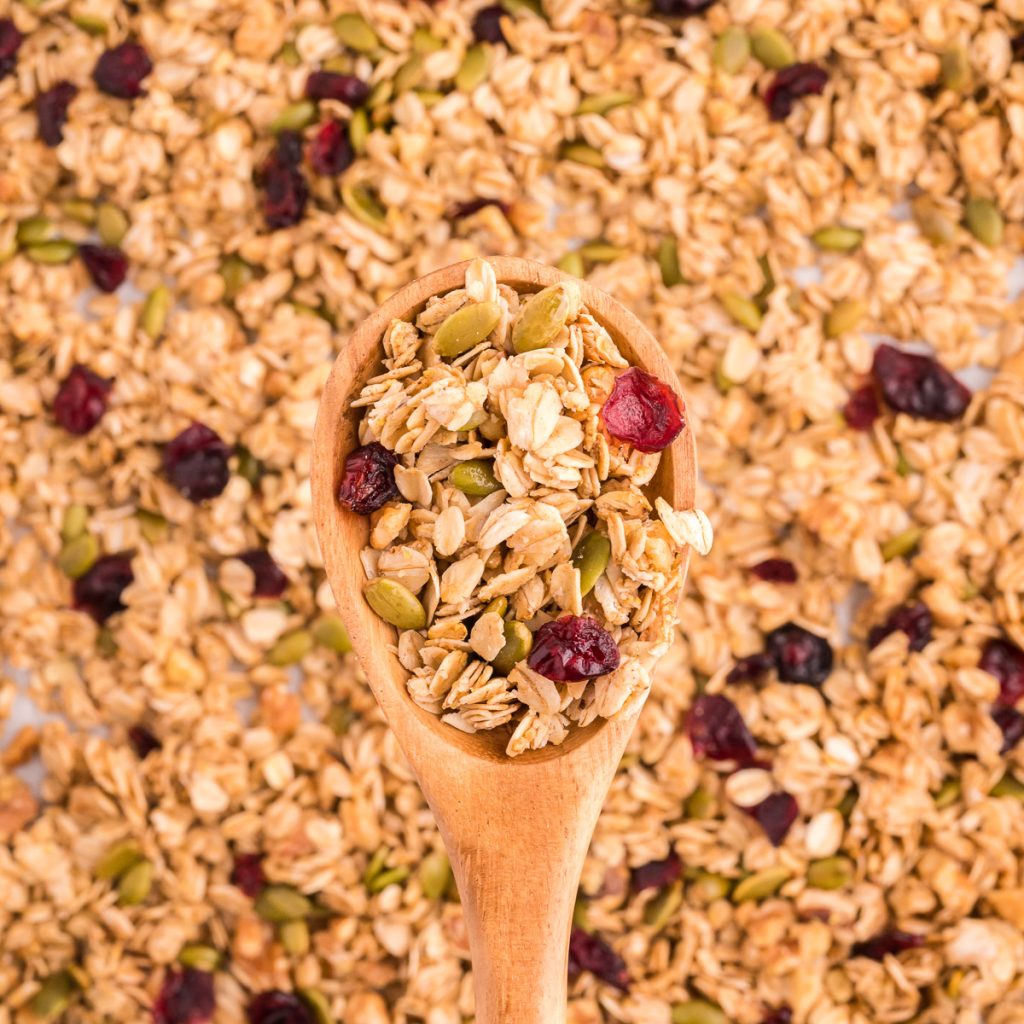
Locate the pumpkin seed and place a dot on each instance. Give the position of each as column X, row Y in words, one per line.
column 279, row 904
column 498, row 606
column 33, row 230
column 601, row 252
column 291, row 648
column 76, row 518
column 830, row 873
column 844, row 316
column 698, row 1011
column 294, row 117
column 700, row 804
column 668, row 262
column 376, row 864
column 591, row 558
column 429, row 97
column 289, row 54
column 354, row 32
column 604, row 103
column 364, row 205
column 580, row 915
column 476, row 419
column 955, row 69
column 339, row 718
column 93, row 24
column 330, row 632
column 78, row 556
column 58, row 251
column 474, row 68
column 318, row 1005
column 155, row 310
column 465, row 328
column 731, row 50
column 984, row 220
column 135, row 884
column 760, row 885
column 518, row 641
column 111, row 224
column 707, row 887
column 475, row 477
column 435, row 874
column 409, row 75
column 663, row 907
column 106, row 645
column 761, row 298
column 424, row 41
column 582, row 153
column 932, row 221
column 340, row 63
column 394, row 876
column 1008, row 785
column 531, row 6
column 117, row 860
column 294, row 936
column 902, row 543
column 743, row 310
column 846, row 805
column 836, row 238
column 152, row 525
column 772, row 48
column 54, row 996
column 572, row 263
column 948, row 794
column 395, row 604
column 541, row 318
column 236, row 274
column 80, row 210
column 199, row 957
column 359, row 130
column 249, row 467
column 722, row 382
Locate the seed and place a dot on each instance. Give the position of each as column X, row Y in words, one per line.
column 93, row 24
column 330, row 632
column 80, row 210
column 580, row 916
column 474, row 68
column 707, row 887
column 1008, row 785
column 663, row 907
column 902, row 543
column 54, row 996
column 591, row 558
column 830, row 873
column 601, row 252
column 76, row 518
column 363, row 204
column 949, row 793
column 435, row 874
column 395, row 876
column 395, row 604
column 743, row 310
column 466, row 328
column 249, row 467
column 836, row 238
column 572, row 263
column 424, row 41
column 844, row 316
column 518, row 643
column 282, row 903
column 955, row 69
column 604, row 102
column 294, row 936
column 497, row 607
column 339, row 718
column 317, row 1003
column 155, row 310
column 289, row 54
column 772, row 48
column 57, row 251
column 376, row 864
column 668, row 262
column 429, row 97
column 698, row 1011
column 409, row 75
column 700, row 804
column 932, row 221
column 760, row 885
column 106, row 645
column 117, row 860
column 761, row 298
column 199, row 957
column 731, row 50
column 359, row 130
column 846, row 805
column 984, row 221
column 541, row 319
column 36, row 229
column 111, row 224
column 475, row 477
column 532, row 6
column 291, row 648
column 78, row 556
column 354, row 32
column 294, row 117
column 236, row 274
column 582, row 153
column 135, row 884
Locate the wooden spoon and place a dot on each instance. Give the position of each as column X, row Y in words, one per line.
column 517, row 829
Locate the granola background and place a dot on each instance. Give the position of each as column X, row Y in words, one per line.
column 247, row 762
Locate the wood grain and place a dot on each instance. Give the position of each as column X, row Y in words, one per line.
column 516, row 829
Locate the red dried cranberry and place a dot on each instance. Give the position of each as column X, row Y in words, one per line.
column 589, row 952
column 886, row 944
column 120, row 71
column 681, row 8
column 918, row 385
column 368, row 481
column 775, row 814
column 913, row 619
column 270, row 581
column 487, row 24
column 52, row 111
column 1011, row 722
column 196, row 462
column 288, row 148
column 861, row 409
column 800, row 656
column 285, row 191
column 278, row 1008
column 775, row 570
column 186, row 997
column 717, row 730
column 457, row 211
column 330, row 152
column 143, row 741
column 657, row 874
column 329, row 85
column 791, row 84
column 749, row 668
column 98, row 592
column 247, row 874
column 10, row 43
column 81, row 400
column 642, row 411
column 1005, row 661
column 572, row 648
column 107, row 265
column 782, row 1015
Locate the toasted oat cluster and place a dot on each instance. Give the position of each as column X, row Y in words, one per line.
column 505, row 451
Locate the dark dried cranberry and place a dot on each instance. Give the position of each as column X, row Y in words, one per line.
column 791, row 84
column 487, row 24
column 120, row 71
column 642, row 411
column 329, row 85
column 681, row 8
column 107, row 265
column 1011, row 722
column 81, row 400
column 918, row 385
column 572, row 648
column 52, row 111
column 247, row 874
column 657, row 874
column 10, row 43
column 861, row 409
column 186, row 997
column 1005, row 661
column 775, row 570
column 143, row 741
column 913, row 619
column 330, row 152
column 887, row 943
column 717, row 730
column 278, row 1008
column 751, row 667
column 98, row 592
column 775, row 815
column 270, row 581
column 457, row 211
column 285, row 191
column 368, row 481
column 288, row 148
column 196, row 462
column 589, row 952
column 800, row 656
column 782, row 1015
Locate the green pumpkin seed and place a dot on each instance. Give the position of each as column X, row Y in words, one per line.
column 291, row 648
column 497, row 607
column 341, row 63
column 465, row 328
column 429, row 97
column 58, row 251
column 424, row 41
column 330, row 632
column 318, row 1005
column 394, row 876
column 668, row 262
column 902, row 543
column 955, row 69
column 279, row 904
column 364, row 205
column 903, row 466
column 731, row 50
column 474, row 69
column 477, row 419
column 836, row 238
column 236, row 274
column 604, row 103
column 760, row 885
column 135, row 884
column 78, row 556
column 199, row 957
column 354, row 32
column 111, row 224
column 435, row 874
column 376, row 864
column 289, row 54
column 294, row 936
column 106, row 645
column 117, row 860
column 707, row 887
column 698, row 1011
column 409, row 75
column 531, row 6
column 948, row 794
column 932, row 221
column 846, row 805
column 155, row 310
column 93, row 24
column 580, row 914
column 80, row 210
column 541, row 319
column 984, row 221
column 663, row 908
column 54, row 996
column 152, row 525
column 583, row 153
column 76, row 519
column 475, row 477
column 1008, row 785
column 830, row 873
column 591, row 555
column 772, row 48
column 722, row 382
column 572, row 263
column 844, row 316
column 33, row 230
column 743, row 310
column 340, row 718
column 249, row 467
column 700, row 804
column 294, row 117
column 761, row 298
column 359, row 130
column 518, row 641
column 395, row 604
column 601, row 252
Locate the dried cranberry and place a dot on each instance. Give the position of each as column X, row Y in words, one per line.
column 329, row 85
column 368, row 481
column 888, row 943
column 751, row 667
column 1005, row 661
column 457, row 211
column 589, row 952
column 657, row 874
column 186, row 997
column 288, row 148
column 572, row 648
column 81, row 400
column 330, row 152
column 52, row 111
column 642, row 411
column 98, row 592
column 278, row 1008
column 775, row 570
column 800, row 656
column 285, row 191
column 717, row 730
column 120, row 71
column 775, row 814
column 681, row 8
column 913, row 619
column 487, row 24
column 107, row 265
column 1011, row 722
column 790, row 84
column 247, row 874
column 143, row 741
column 782, row 1015
column 270, row 581
column 918, row 385
column 196, row 462
column 10, row 43
column 861, row 409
